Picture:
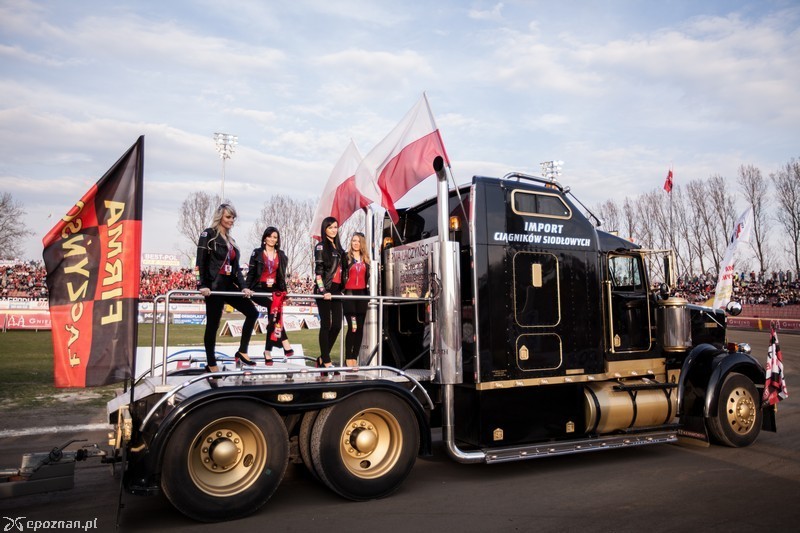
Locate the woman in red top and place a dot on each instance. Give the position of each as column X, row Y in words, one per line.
column 267, row 274
column 356, row 268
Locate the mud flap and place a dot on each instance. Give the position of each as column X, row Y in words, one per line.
column 768, row 421
column 693, row 432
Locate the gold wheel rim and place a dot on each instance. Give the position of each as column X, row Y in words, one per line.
column 227, row 457
column 741, row 410
column 370, row 443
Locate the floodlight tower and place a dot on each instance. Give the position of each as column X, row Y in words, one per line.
column 226, row 145
column 551, row 169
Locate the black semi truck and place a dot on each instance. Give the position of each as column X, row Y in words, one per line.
column 505, row 318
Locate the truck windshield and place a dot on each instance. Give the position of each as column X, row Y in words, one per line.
column 626, row 273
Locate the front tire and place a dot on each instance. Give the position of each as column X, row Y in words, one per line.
column 225, row 460
column 738, row 419
column 364, row 447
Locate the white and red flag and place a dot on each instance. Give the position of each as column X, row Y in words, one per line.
column 775, row 384
column 403, row 159
column 739, row 235
column 340, row 198
column 668, row 182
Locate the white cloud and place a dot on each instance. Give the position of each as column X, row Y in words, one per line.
column 494, row 14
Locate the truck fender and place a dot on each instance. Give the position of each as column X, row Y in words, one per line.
column 695, row 374
column 724, row 364
column 162, row 434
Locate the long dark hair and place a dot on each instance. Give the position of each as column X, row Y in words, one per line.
column 269, row 231
column 327, row 221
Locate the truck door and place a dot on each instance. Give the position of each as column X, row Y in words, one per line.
column 627, row 304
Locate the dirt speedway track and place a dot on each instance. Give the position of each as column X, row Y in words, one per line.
column 653, row 488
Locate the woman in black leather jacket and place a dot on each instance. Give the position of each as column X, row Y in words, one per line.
column 328, row 256
column 267, row 273
column 217, row 269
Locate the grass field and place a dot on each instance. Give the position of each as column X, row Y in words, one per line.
column 26, row 364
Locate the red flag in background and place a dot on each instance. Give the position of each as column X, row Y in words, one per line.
column 402, row 159
column 93, row 261
column 340, row 197
column 668, row 183
column 775, row 384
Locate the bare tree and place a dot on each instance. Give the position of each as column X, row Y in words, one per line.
column 754, row 187
column 682, row 224
column 723, row 219
column 629, row 220
column 195, row 216
column 292, row 218
column 723, row 203
column 787, row 188
column 698, row 205
column 14, row 230
column 609, row 213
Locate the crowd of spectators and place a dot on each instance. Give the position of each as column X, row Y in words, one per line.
column 27, row 280
column 778, row 288
column 23, row 280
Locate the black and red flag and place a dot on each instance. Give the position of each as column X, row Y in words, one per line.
column 775, row 383
column 93, row 261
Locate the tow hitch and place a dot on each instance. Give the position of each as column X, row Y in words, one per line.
column 47, row 471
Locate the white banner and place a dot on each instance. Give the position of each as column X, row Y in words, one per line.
column 740, row 234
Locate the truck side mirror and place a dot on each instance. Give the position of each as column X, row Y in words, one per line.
column 733, row 308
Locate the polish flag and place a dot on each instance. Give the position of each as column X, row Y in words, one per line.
column 340, row 198
column 668, row 182
column 403, row 159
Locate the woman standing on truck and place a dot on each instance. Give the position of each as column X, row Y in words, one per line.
column 356, row 268
column 267, row 273
column 328, row 256
column 217, row 269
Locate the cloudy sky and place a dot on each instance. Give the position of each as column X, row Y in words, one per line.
column 621, row 90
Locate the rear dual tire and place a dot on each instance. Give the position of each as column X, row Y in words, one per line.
column 225, row 460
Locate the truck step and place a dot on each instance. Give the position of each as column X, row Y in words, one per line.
column 518, row 453
column 647, row 385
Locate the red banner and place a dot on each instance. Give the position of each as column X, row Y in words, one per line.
column 93, row 261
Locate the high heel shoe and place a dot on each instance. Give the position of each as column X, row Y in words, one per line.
column 212, row 381
column 242, row 359
column 267, row 358
column 320, row 364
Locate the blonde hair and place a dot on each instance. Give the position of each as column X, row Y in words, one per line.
column 364, row 249
column 216, row 220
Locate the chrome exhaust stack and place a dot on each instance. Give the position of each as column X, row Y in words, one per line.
column 446, row 330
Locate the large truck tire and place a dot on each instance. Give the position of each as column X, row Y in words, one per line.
column 304, row 441
column 364, row 447
column 737, row 421
column 225, row 460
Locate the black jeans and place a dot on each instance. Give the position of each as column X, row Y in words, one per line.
column 330, row 322
column 352, row 339
column 355, row 311
column 214, row 306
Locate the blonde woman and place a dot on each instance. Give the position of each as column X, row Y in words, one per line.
column 356, row 271
column 217, row 270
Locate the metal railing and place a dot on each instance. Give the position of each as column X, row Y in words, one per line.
column 379, row 301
